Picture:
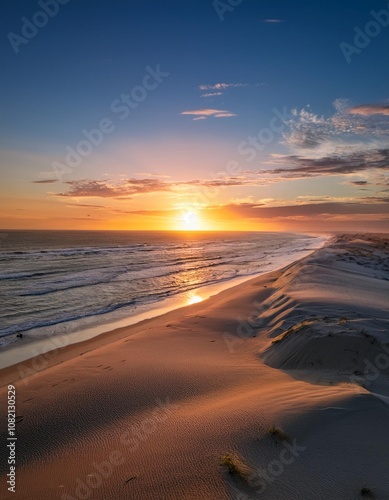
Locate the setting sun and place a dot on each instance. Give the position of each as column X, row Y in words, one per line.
column 190, row 221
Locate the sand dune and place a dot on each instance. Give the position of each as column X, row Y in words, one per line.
column 330, row 313
column 259, row 392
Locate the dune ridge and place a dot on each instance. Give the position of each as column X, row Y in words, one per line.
column 329, row 315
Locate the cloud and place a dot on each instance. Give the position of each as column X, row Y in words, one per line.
column 272, row 21
column 359, row 183
column 87, row 205
column 378, row 199
column 304, row 210
column 148, row 174
column 225, row 115
column 217, row 89
column 306, row 132
column 308, row 209
column 205, row 113
column 222, row 86
column 105, row 189
column 341, row 144
column 212, row 94
column 332, row 165
column 126, row 188
column 370, row 109
column 45, row 181
column 89, row 218
column 224, row 182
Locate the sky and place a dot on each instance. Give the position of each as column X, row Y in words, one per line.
column 195, row 114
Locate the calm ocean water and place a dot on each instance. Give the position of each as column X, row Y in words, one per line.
column 55, row 282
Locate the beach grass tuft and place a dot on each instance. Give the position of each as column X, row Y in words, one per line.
column 294, row 329
column 278, row 433
column 367, row 493
column 236, row 466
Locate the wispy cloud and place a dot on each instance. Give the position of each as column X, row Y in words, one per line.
column 309, row 209
column 272, row 21
column 106, row 189
column 332, row 165
column 124, row 189
column 225, row 115
column 212, row 94
column 205, row 113
column 217, row 89
column 239, row 180
column 45, row 181
column 222, row 86
column 341, row 144
column 370, row 109
column 87, row 205
column 148, row 174
column 359, row 183
column 306, row 210
column 344, row 130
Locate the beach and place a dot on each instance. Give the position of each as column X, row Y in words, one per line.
column 276, row 388
column 75, row 285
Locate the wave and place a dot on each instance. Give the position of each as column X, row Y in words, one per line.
column 40, row 324
column 22, row 275
column 47, row 287
column 68, row 252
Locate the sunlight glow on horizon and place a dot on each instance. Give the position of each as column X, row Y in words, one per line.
column 190, row 221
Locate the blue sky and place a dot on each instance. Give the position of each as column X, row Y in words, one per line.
column 262, row 56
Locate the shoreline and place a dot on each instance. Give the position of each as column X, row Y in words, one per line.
column 61, row 353
column 25, row 351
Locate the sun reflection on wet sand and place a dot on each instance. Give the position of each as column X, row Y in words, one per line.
column 194, row 298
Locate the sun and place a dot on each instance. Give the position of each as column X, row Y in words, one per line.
column 190, row 221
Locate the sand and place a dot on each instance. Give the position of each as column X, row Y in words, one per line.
column 147, row 412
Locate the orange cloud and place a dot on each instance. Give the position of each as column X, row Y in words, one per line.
column 370, row 109
column 202, row 114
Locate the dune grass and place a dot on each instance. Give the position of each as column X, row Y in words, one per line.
column 236, row 466
column 367, row 493
column 276, row 432
column 294, row 329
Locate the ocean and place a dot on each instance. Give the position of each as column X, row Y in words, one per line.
column 61, row 282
